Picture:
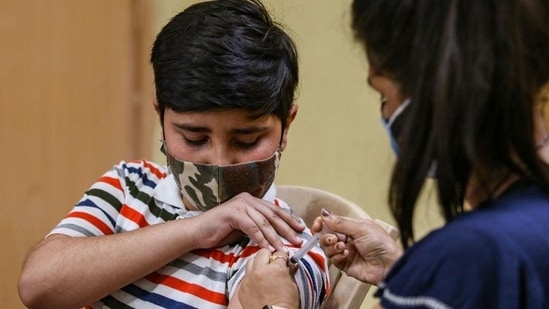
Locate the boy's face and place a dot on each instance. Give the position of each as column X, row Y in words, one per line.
column 223, row 137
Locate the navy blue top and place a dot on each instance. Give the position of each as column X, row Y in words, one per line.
column 494, row 257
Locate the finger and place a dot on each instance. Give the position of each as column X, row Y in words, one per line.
column 289, row 217
column 339, row 260
column 263, row 232
column 330, row 239
column 330, row 251
column 278, row 213
column 262, row 257
column 333, row 249
column 340, row 246
column 283, row 222
column 317, row 225
column 280, row 222
column 352, row 227
column 279, row 257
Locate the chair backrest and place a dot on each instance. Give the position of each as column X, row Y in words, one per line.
column 346, row 292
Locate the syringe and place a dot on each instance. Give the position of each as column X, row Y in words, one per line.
column 308, row 246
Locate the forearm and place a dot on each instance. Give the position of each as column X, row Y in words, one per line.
column 70, row 272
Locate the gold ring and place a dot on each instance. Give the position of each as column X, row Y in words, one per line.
column 273, row 257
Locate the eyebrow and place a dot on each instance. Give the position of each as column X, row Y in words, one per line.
column 241, row 131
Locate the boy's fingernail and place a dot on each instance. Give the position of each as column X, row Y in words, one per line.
column 325, row 213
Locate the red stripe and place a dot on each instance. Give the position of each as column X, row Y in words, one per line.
column 319, row 260
column 111, row 181
column 154, row 170
column 214, row 254
column 93, row 220
column 133, row 215
column 221, row 257
column 186, row 287
column 249, row 250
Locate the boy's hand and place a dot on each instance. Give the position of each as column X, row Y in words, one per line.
column 264, row 222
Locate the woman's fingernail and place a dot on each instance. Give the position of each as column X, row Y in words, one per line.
column 325, row 213
column 272, row 249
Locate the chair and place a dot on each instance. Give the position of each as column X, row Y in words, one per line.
column 307, row 202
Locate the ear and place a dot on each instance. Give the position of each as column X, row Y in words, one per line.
column 287, row 123
column 156, row 108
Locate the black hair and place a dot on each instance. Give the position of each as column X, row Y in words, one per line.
column 472, row 70
column 225, row 54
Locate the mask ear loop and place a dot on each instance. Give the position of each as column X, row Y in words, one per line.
column 281, row 137
column 398, row 111
column 162, row 140
column 163, row 144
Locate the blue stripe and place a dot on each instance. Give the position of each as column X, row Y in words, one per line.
column 90, row 203
column 311, row 273
column 143, row 177
column 154, row 298
column 148, row 182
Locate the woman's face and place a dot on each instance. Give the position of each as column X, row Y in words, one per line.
column 389, row 91
column 393, row 106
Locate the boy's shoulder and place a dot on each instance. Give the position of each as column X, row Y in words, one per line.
column 142, row 168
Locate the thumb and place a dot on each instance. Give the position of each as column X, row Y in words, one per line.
column 351, row 227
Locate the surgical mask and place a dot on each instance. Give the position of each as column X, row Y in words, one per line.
column 394, row 124
column 206, row 185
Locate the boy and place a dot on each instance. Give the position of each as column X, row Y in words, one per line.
column 225, row 78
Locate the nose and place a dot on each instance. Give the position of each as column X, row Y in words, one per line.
column 220, row 156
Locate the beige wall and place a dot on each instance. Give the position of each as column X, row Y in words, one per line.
column 71, row 91
column 337, row 142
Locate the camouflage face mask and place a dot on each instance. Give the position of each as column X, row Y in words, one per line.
column 207, row 185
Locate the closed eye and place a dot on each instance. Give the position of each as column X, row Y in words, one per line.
column 246, row 145
column 195, row 142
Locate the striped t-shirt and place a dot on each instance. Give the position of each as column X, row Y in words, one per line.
column 133, row 195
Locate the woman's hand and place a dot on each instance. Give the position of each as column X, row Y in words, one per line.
column 264, row 222
column 367, row 253
column 268, row 281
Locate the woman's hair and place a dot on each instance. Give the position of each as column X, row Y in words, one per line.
column 472, row 69
column 225, row 54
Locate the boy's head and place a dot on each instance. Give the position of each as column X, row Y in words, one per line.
column 225, row 54
column 225, row 79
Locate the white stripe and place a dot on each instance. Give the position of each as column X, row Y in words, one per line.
column 397, row 112
column 414, row 301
